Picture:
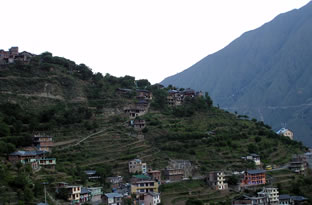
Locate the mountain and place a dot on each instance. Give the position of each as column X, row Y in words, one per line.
column 265, row 73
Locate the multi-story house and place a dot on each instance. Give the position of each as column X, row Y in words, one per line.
column 144, row 94
column 150, row 198
column 216, row 180
column 298, row 164
column 144, row 187
column 138, row 124
column 48, row 163
column 155, row 175
column 95, row 193
column 26, row 156
column 112, row 199
column 137, row 166
column 72, row 193
column 254, row 177
column 173, row 174
column 255, row 158
column 185, row 165
column 271, row 193
column 43, row 142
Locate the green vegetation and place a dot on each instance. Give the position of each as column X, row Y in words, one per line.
column 84, row 113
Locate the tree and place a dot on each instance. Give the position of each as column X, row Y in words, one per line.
column 143, row 83
column 208, row 99
column 4, row 129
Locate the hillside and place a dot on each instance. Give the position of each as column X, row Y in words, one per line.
column 84, row 112
column 265, row 74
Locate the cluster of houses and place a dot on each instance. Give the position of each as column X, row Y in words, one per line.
column 141, row 106
column 269, row 196
column 77, row 194
column 176, row 97
column 36, row 155
column 12, row 55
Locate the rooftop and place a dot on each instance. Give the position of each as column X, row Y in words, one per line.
column 113, row 195
column 258, row 171
column 28, row 153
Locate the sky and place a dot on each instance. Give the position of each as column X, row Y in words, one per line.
column 141, row 38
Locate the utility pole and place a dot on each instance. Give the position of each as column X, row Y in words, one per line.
column 45, row 192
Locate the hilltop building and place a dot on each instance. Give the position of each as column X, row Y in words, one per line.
column 286, row 132
column 12, row 55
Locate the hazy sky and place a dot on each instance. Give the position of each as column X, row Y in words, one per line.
column 142, row 38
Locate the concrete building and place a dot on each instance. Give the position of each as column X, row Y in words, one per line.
column 286, row 132
column 271, row 193
column 137, row 166
column 254, row 177
column 43, row 142
column 112, row 199
column 144, row 187
column 216, row 180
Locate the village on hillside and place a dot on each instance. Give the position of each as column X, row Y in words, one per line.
column 143, row 187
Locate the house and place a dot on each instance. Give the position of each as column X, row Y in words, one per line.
column 150, row 198
column 173, row 174
column 115, row 181
column 48, row 163
column 138, row 124
column 189, row 93
column 216, row 180
column 13, row 55
column 43, row 142
column 185, row 165
column 85, row 195
column 95, row 193
column 254, row 177
column 24, row 56
column 91, row 174
column 26, row 156
column 174, row 98
column 155, row 175
column 144, row 94
column 255, row 158
column 112, row 199
column 144, row 187
column 286, row 132
column 134, row 112
column 298, row 164
column 308, row 157
column 136, row 166
column 271, row 193
column 71, row 193
column 285, row 199
column 250, row 200
column 298, row 200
